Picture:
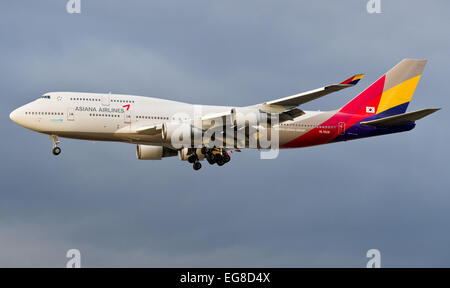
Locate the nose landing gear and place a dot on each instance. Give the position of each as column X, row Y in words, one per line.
column 56, row 150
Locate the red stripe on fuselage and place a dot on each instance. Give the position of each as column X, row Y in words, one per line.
column 350, row 114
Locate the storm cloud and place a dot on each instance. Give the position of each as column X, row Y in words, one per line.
column 322, row 206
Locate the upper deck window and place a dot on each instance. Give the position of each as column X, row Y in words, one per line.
column 45, row 96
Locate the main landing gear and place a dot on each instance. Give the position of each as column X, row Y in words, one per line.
column 195, row 162
column 213, row 156
column 217, row 156
column 197, row 165
column 56, row 150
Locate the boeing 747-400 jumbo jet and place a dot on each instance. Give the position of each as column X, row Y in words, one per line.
column 162, row 128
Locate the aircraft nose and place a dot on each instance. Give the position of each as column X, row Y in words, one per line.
column 13, row 115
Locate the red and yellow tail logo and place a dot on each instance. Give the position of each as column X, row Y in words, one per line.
column 391, row 93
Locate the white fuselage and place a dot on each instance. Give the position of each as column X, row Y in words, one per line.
column 113, row 117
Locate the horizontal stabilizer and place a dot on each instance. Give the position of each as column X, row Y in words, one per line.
column 400, row 119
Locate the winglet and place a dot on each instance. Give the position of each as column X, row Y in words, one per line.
column 353, row 80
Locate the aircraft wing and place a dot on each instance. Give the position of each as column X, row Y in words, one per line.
column 400, row 119
column 150, row 130
column 226, row 118
column 287, row 103
column 284, row 107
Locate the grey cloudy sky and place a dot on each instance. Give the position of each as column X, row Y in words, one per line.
column 322, row 206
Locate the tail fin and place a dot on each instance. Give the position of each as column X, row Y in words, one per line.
column 389, row 95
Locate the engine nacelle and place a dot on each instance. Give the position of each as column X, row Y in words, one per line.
column 150, row 152
column 180, row 134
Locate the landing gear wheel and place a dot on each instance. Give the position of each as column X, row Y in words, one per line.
column 226, row 158
column 56, row 150
column 212, row 162
column 192, row 159
column 204, row 150
column 220, row 162
column 210, row 157
column 197, row 166
column 218, row 157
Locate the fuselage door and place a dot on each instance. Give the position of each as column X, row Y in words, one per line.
column 70, row 114
column 106, row 99
column 341, row 128
column 127, row 115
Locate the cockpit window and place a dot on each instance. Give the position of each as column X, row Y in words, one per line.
column 45, row 96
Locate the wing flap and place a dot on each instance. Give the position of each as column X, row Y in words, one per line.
column 290, row 115
column 149, row 130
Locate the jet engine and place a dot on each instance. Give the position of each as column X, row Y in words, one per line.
column 150, row 152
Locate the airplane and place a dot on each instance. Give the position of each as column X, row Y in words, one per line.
column 154, row 124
